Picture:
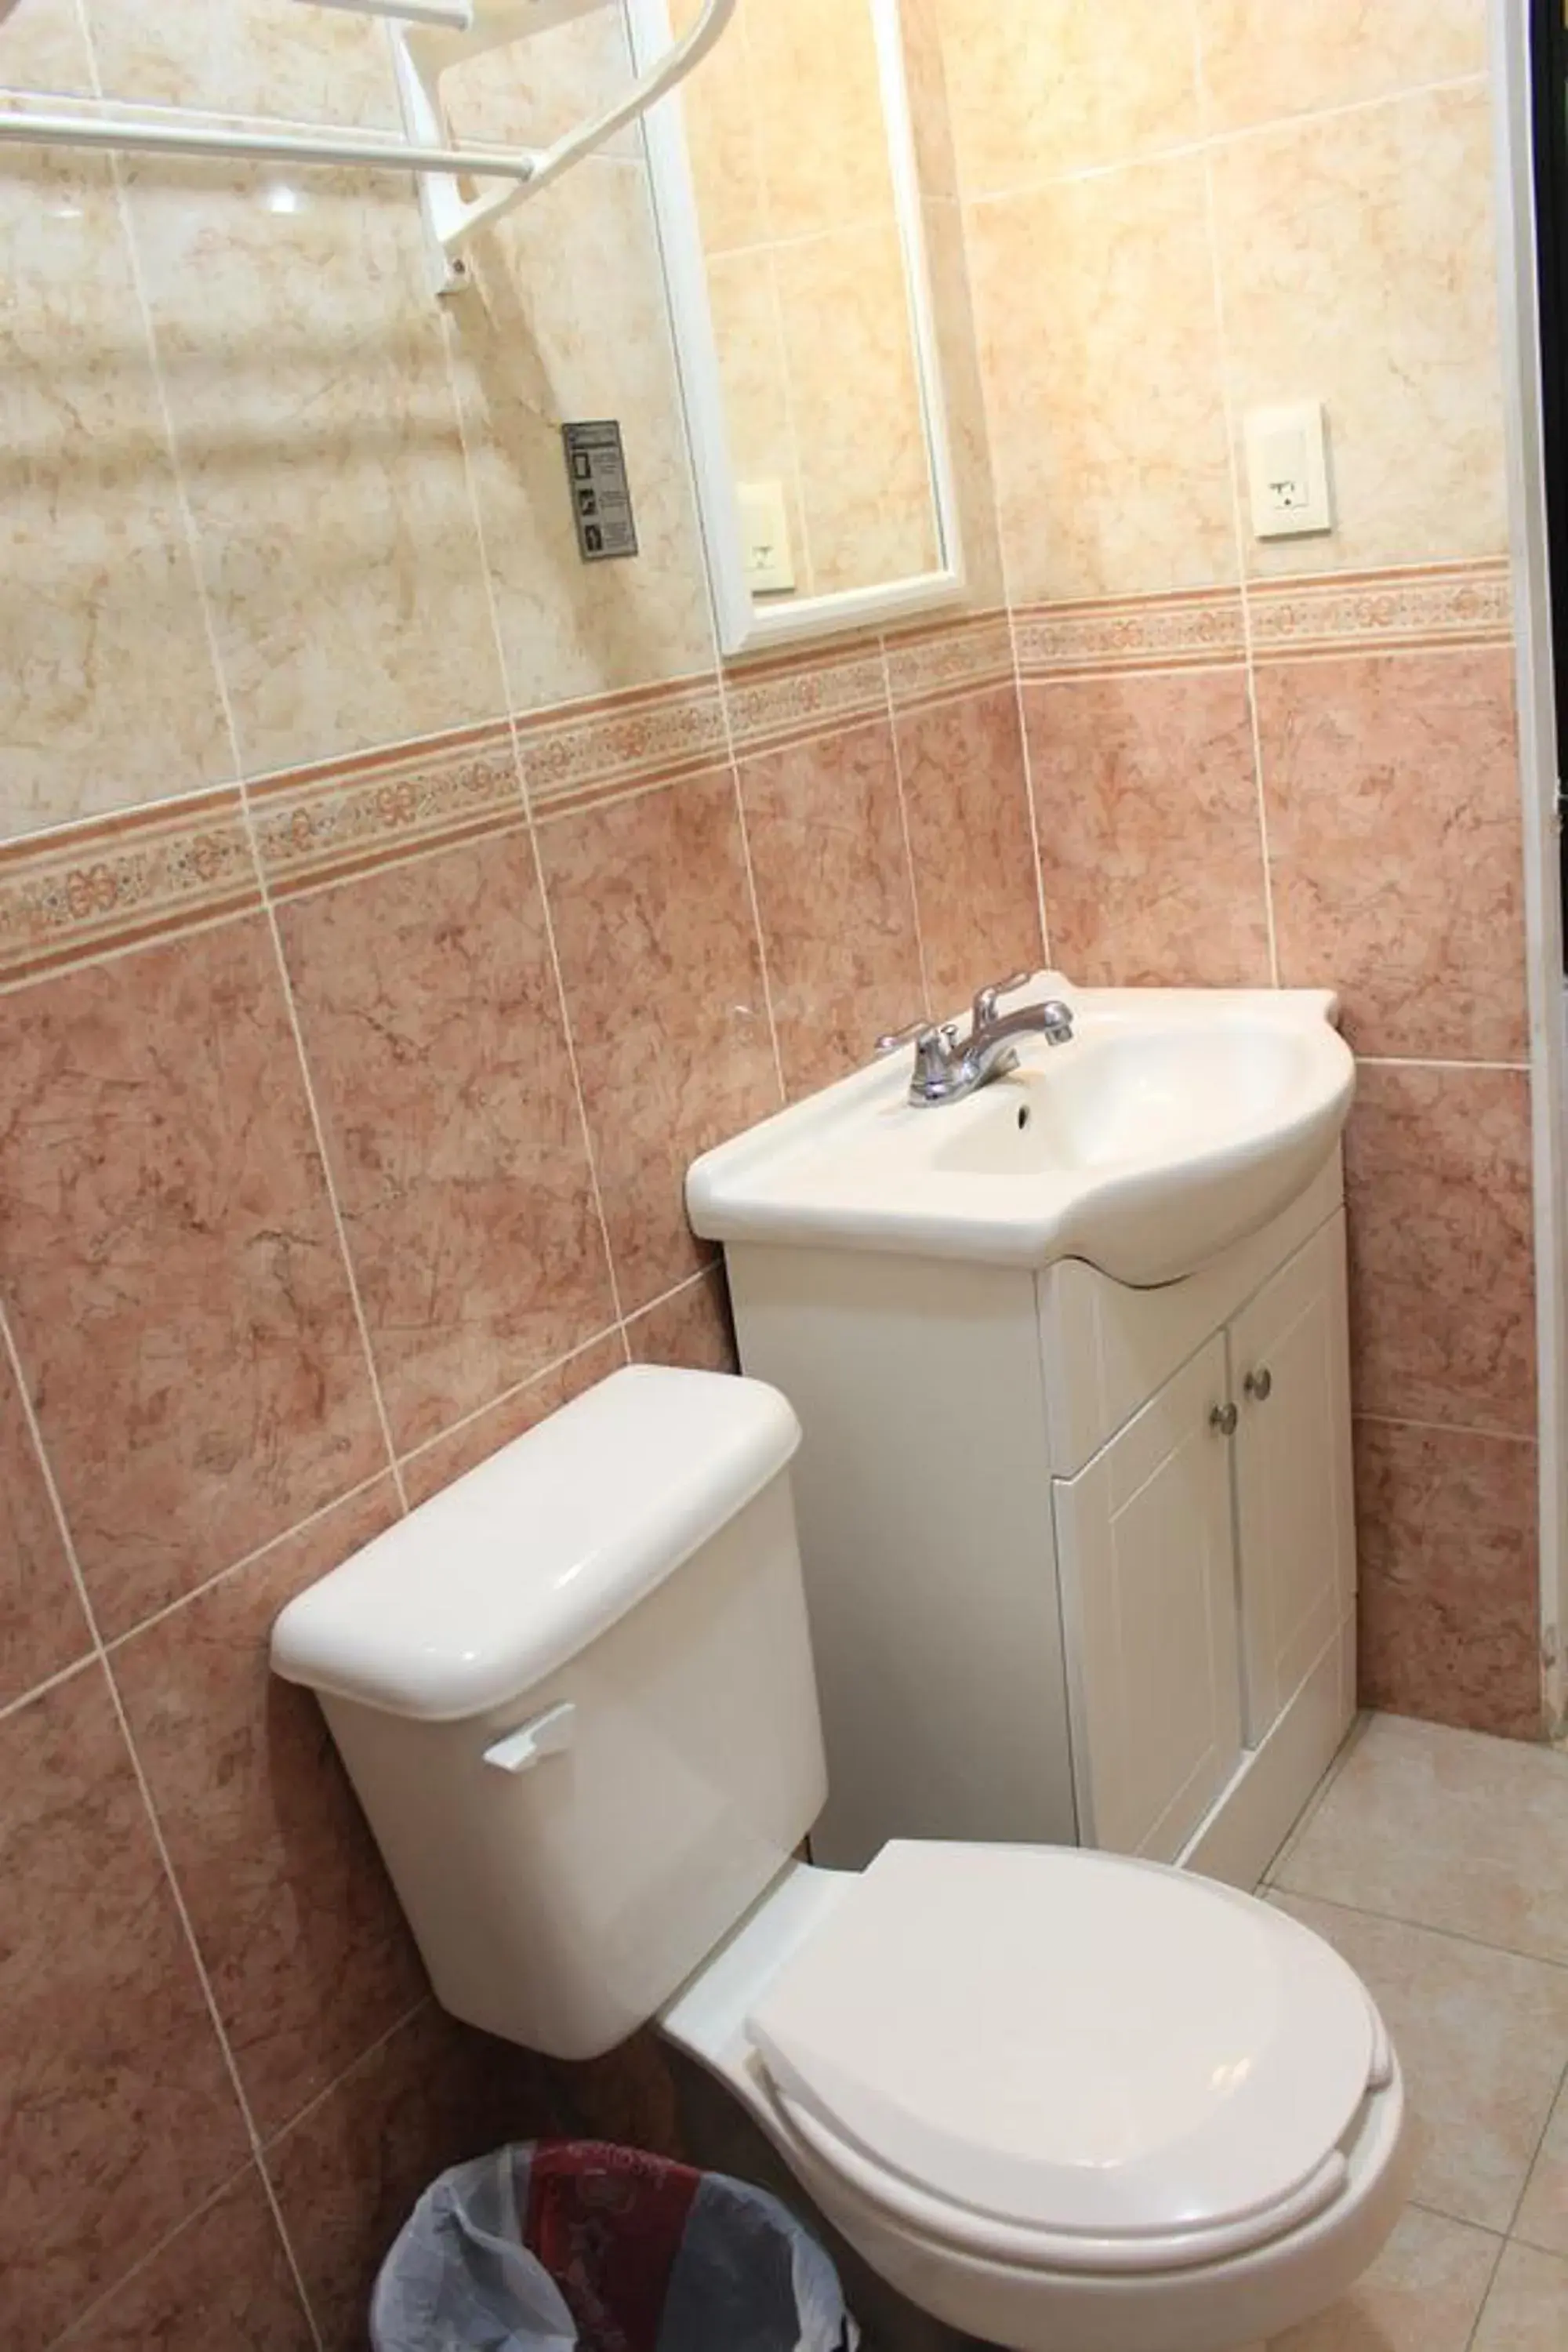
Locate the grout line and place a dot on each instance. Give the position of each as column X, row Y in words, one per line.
column 910, row 882
column 250, row 1560
column 510, row 699
column 1420, row 1927
column 518, row 1389
column 677, row 1290
column 1233, row 472
column 1424, row 1062
column 1460, row 2220
column 151, row 2254
column 1449, row 1428
column 1209, row 142
column 155, row 1827
column 1471, row 2339
column 193, row 551
column 1535, row 2156
column 1309, row 1810
column 318, row 2099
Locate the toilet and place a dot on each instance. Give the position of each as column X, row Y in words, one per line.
column 1063, row 2100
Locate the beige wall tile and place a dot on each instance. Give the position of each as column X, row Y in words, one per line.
column 532, row 91
column 743, row 291
column 719, row 112
column 1359, row 267
column 106, row 689
column 246, row 56
column 820, row 130
column 1261, row 61
column 865, row 467
column 532, row 352
column 1100, row 352
column 44, row 48
column 963, row 391
column 1041, row 87
column 318, row 447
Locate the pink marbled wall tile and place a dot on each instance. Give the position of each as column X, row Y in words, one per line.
column 167, row 1250
column 1447, row 1534
column 693, row 1329
column 304, row 1944
column 967, row 796
column 1437, row 1170
column 836, row 897
column 434, row 1033
column 1146, row 803
column 222, row 2284
column 663, row 980
column 348, row 2173
column 1392, row 789
column 116, row 2113
column 435, row 1466
column 42, row 1625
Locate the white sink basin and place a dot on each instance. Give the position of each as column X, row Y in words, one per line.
column 1176, row 1122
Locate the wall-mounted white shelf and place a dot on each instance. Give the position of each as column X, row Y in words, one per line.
column 429, row 38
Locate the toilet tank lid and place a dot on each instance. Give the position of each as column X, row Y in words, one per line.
column 499, row 1580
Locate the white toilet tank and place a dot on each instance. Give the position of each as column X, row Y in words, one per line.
column 574, row 1694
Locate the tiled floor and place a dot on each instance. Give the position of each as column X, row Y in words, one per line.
column 1438, row 1862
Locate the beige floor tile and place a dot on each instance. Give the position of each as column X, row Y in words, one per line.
column 1542, row 2219
column 1483, row 2039
column 1422, row 2295
column 1447, row 1829
column 1527, row 2310
column 1309, row 1813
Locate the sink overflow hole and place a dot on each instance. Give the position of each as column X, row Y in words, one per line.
column 1023, row 1117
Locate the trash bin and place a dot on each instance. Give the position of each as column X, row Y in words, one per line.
column 570, row 2246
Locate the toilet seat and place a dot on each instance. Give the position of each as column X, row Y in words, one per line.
column 1070, row 2061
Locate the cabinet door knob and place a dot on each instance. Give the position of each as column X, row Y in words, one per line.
column 1259, row 1385
column 1224, row 1419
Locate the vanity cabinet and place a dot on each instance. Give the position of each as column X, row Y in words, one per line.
column 1205, row 1558
column 1080, row 1557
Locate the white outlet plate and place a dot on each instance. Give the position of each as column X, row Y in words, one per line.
column 765, row 539
column 1288, row 471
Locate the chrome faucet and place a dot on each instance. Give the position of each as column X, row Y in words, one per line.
column 948, row 1067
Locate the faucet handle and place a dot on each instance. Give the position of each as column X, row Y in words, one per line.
column 984, row 1011
column 912, row 1033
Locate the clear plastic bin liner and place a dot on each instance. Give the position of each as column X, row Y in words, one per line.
column 567, row 2246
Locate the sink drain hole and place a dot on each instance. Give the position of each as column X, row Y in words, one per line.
column 1022, row 1116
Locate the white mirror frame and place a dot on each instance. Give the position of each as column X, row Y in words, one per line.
column 745, row 625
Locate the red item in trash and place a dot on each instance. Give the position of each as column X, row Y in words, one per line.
column 607, row 2224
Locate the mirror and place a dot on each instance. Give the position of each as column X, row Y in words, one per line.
column 789, row 209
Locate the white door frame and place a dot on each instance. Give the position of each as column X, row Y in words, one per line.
column 1520, row 337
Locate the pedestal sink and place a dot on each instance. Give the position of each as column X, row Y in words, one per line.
column 1175, row 1124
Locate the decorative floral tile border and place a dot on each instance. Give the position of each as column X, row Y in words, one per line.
column 1437, row 604
column 802, row 695
column 590, row 751
column 318, row 824
column 1192, row 629
column 67, row 895
column 120, row 881
column 952, row 659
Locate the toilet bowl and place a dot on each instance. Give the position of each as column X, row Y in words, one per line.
column 1176, row 2128
column 1063, row 2100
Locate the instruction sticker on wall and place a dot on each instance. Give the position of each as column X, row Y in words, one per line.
column 600, row 495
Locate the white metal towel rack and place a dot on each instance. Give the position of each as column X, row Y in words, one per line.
column 429, row 38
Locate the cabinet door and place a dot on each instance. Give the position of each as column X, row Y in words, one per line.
column 1148, row 1575
column 1295, row 1511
